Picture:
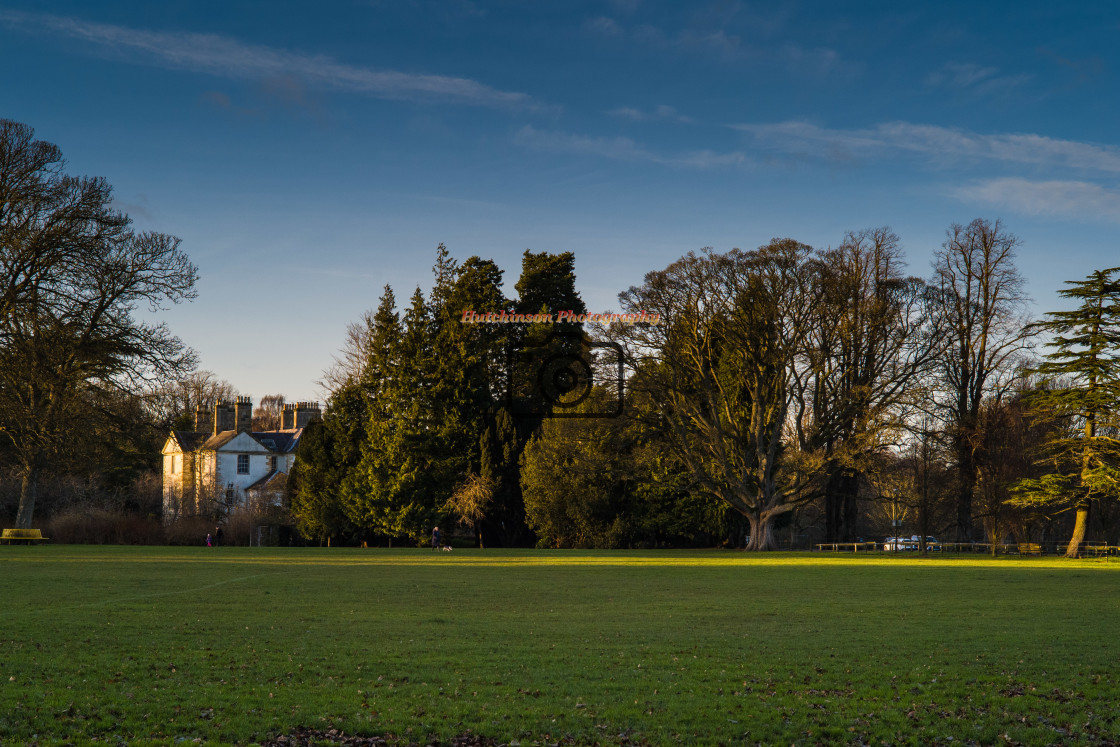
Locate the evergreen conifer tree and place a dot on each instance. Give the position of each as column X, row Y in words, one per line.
column 1083, row 373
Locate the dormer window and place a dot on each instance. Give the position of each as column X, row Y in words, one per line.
column 242, row 464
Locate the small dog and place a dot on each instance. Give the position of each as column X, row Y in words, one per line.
column 446, row 548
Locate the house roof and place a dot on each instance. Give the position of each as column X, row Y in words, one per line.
column 188, row 440
column 274, row 479
column 218, row 441
column 277, row 442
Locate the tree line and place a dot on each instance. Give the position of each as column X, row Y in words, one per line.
column 821, row 391
column 785, row 393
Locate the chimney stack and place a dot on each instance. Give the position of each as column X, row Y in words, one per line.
column 306, row 412
column 204, row 418
column 243, row 413
column 224, row 418
column 287, row 417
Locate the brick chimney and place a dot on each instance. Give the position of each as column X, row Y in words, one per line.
column 287, row 417
column 204, row 418
column 307, row 412
column 224, row 417
column 243, row 413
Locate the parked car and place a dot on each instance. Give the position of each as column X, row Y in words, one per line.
column 913, row 542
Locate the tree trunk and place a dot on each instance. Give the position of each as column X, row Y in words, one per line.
column 966, row 475
column 762, row 532
column 28, row 490
column 1080, row 526
column 840, row 507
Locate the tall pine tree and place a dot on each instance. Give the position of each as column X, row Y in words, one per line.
column 1083, row 373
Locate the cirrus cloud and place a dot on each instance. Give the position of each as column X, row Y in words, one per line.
column 1052, row 198
column 229, row 58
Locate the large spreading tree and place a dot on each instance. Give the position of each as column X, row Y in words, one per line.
column 73, row 272
column 721, row 367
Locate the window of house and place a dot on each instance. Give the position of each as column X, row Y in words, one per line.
column 272, row 463
column 242, row 464
column 176, row 465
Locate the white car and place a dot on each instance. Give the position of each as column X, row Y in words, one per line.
column 913, row 542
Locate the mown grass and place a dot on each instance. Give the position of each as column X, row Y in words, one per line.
column 232, row 645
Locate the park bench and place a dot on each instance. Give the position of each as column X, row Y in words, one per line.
column 21, row 536
column 1029, row 548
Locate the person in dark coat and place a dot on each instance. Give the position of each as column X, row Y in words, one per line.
column 436, row 543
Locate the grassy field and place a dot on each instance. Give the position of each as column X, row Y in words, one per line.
column 235, row 645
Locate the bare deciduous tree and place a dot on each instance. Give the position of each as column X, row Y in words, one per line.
column 871, row 345
column 982, row 309
column 72, row 272
column 266, row 415
column 349, row 363
column 173, row 403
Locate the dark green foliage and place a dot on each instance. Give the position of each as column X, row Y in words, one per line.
column 548, row 282
column 609, row 482
column 328, row 452
column 431, row 389
column 499, row 451
column 1083, row 373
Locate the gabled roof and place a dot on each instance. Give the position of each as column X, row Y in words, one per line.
column 217, row 441
column 188, row 440
column 276, row 442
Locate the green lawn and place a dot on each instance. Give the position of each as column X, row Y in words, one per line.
column 234, row 645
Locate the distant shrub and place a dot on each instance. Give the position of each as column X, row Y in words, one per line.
column 102, row 527
column 189, row 530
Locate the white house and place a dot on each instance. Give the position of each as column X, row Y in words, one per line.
column 223, row 464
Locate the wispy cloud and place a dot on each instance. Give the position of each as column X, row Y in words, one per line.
column 604, row 26
column 1052, row 198
column 797, row 59
column 622, row 149
column 228, row 58
column 975, row 79
column 937, row 143
column 659, row 112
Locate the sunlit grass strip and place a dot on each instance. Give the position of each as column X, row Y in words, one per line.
column 321, row 557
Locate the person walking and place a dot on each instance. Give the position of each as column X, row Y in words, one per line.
column 218, row 535
column 436, row 543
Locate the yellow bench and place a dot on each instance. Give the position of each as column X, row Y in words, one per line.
column 12, row 536
column 1029, row 548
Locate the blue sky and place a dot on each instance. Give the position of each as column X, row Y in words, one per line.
column 308, row 154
